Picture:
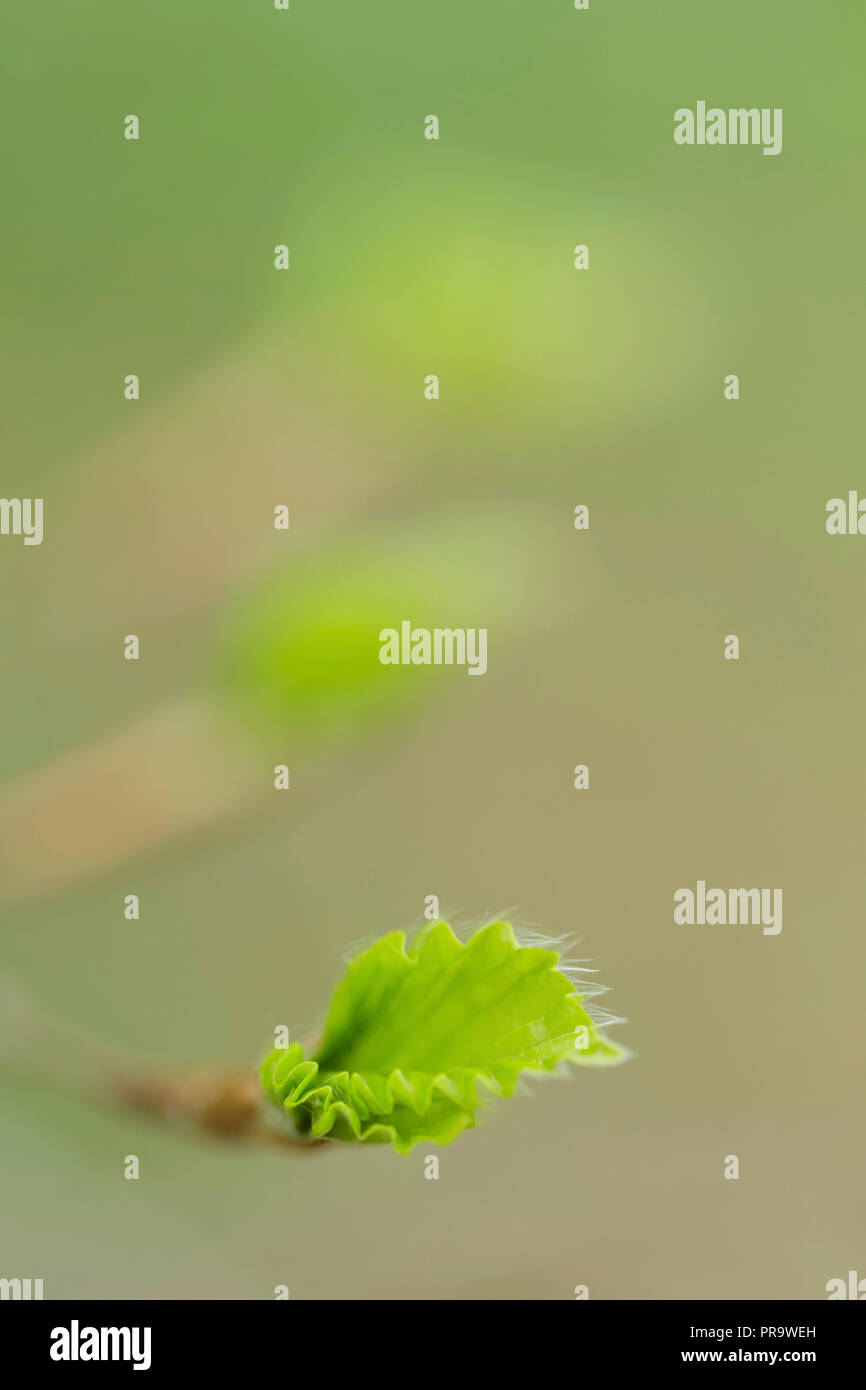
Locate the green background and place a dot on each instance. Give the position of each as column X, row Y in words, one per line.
column 558, row 388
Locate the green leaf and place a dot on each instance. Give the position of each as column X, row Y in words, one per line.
column 416, row 1040
column 300, row 649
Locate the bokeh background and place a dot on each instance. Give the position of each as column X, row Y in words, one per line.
column 306, row 388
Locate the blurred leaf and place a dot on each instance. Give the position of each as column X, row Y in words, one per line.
column 301, row 647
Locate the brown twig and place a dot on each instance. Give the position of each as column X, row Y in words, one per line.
column 218, row 1104
column 225, row 1105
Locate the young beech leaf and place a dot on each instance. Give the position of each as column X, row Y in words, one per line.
column 415, row 1039
column 300, row 649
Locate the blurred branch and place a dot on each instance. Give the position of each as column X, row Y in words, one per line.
column 174, row 770
column 217, row 1104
